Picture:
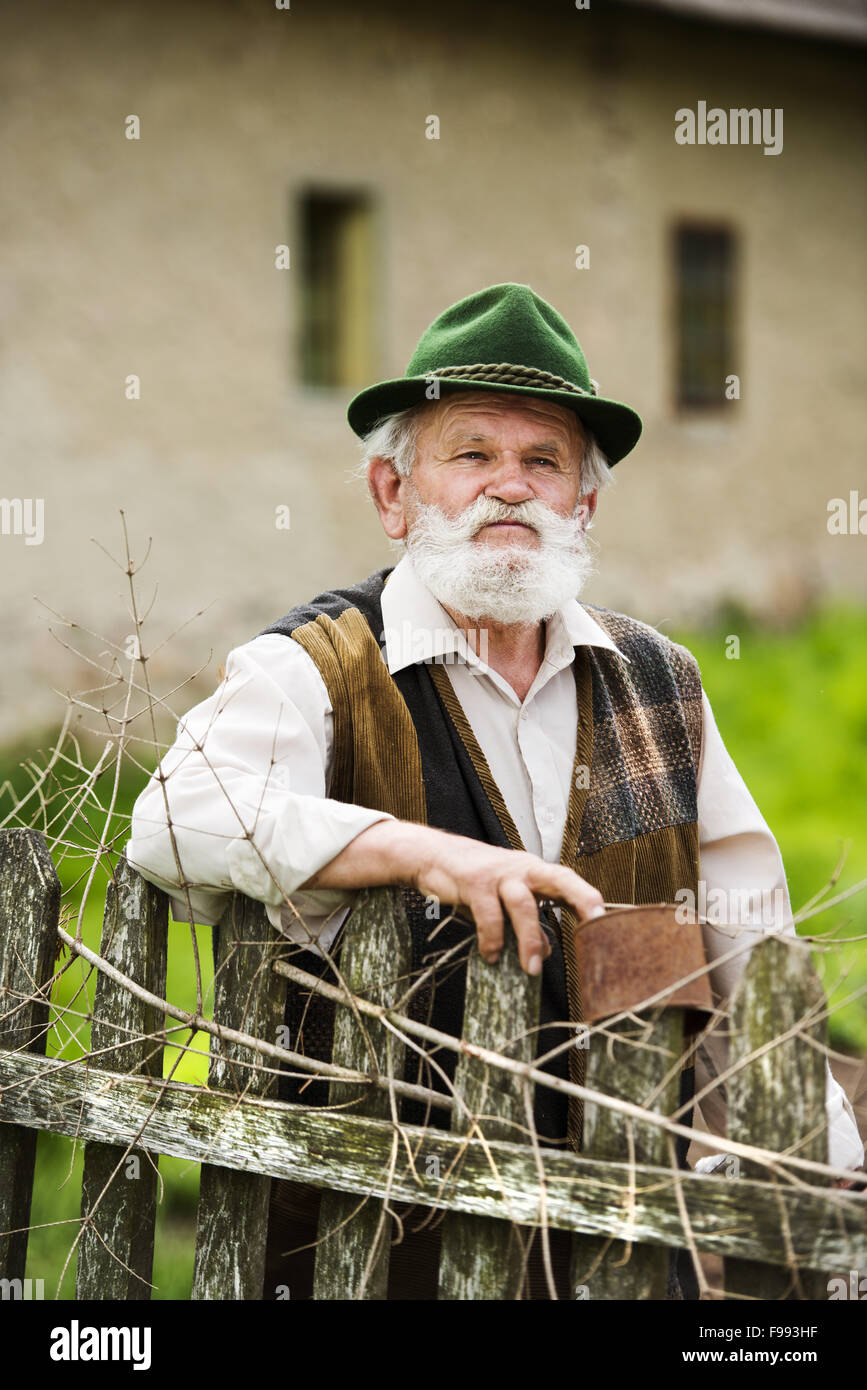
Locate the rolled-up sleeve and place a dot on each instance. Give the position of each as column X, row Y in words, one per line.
column 240, row 801
column 746, row 896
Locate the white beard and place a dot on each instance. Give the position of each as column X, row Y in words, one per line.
column 510, row 584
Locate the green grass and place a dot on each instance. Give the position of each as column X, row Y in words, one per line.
column 792, row 712
column 57, row 1197
column 57, row 1186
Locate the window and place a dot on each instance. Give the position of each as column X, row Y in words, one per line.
column 704, row 307
column 337, row 346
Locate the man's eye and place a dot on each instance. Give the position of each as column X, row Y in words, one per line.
column 552, row 463
column 472, row 454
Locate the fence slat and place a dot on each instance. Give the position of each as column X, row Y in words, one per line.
column 29, row 907
column 135, row 940
column 232, row 1222
column 484, row 1259
column 376, row 957
column 777, row 1101
column 612, row 1269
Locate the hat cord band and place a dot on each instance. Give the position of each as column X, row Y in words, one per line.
column 512, row 375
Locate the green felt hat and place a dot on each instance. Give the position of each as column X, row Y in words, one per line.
column 504, row 338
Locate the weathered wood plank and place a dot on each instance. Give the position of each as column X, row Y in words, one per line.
column 351, row 1153
column 352, row 1259
column 618, row 1068
column 29, row 907
column 483, row 1259
column 232, row 1224
column 777, row 1101
column 115, row 1254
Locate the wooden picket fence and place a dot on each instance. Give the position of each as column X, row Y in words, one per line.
column 624, row 1216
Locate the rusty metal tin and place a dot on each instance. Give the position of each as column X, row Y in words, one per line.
column 632, row 954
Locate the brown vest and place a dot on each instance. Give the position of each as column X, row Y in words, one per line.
column 631, row 828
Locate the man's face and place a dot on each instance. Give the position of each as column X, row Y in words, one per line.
column 490, row 514
column 476, row 445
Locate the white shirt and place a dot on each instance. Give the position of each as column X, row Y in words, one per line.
column 265, row 736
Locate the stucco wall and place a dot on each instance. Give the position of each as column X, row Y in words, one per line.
column 156, row 257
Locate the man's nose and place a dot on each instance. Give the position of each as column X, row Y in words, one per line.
column 510, row 482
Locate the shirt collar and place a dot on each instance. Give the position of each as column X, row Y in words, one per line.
column 416, row 627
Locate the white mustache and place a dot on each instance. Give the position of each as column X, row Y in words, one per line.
column 551, row 527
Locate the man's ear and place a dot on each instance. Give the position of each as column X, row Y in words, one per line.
column 588, row 501
column 386, row 489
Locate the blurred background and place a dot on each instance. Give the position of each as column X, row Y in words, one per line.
column 220, row 220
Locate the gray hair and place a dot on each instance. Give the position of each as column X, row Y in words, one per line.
column 395, row 438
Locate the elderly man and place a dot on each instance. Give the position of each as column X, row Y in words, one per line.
column 462, row 725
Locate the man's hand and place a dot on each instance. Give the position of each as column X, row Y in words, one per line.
column 492, row 884
column 857, row 1181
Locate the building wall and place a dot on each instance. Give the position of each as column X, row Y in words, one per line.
column 156, row 257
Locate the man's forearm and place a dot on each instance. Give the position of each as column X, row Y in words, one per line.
column 389, row 852
column 493, row 884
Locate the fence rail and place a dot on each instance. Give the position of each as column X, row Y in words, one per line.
column 623, row 1199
